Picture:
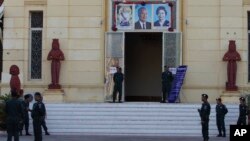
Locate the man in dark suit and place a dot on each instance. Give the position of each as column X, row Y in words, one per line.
column 142, row 23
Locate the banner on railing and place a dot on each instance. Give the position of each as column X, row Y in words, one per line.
column 177, row 83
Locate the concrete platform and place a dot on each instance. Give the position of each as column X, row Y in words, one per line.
column 114, row 138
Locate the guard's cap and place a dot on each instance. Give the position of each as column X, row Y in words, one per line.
column 242, row 99
column 219, row 99
column 204, row 95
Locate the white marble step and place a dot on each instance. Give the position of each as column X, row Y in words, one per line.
column 132, row 118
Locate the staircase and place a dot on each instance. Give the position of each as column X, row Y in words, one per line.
column 132, row 118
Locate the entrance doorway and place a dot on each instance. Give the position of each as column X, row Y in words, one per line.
column 143, row 66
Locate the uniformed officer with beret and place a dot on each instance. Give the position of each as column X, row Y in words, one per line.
column 243, row 112
column 204, row 112
column 221, row 111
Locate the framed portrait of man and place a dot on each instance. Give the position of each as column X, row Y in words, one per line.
column 143, row 16
column 124, row 18
column 161, row 16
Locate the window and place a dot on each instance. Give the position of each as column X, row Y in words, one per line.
column 35, row 56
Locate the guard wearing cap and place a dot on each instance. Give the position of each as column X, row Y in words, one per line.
column 243, row 112
column 221, row 111
column 204, row 114
column 38, row 113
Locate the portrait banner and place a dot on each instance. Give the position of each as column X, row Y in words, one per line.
column 161, row 16
column 124, row 18
column 143, row 16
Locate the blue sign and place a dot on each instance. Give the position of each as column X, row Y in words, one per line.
column 177, row 83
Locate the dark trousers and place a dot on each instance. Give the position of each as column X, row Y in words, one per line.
column 165, row 91
column 44, row 125
column 37, row 130
column 205, row 133
column 221, row 125
column 13, row 130
column 242, row 121
column 26, row 124
column 119, row 90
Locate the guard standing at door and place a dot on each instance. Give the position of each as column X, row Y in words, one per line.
column 38, row 113
column 118, row 79
column 167, row 78
column 204, row 115
column 221, row 111
column 243, row 112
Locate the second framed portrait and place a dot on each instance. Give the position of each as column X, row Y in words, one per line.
column 143, row 16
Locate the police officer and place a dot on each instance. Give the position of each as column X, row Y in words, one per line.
column 14, row 113
column 221, row 111
column 38, row 113
column 167, row 78
column 25, row 103
column 43, row 121
column 118, row 79
column 204, row 115
column 243, row 112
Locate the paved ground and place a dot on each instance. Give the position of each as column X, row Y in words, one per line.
column 113, row 138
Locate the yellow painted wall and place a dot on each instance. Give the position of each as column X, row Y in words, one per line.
column 207, row 26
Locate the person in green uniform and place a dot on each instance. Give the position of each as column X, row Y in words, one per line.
column 167, row 78
column 243, row 112
column 37, row 114
column 45, row 128
column 118, row 79
column 221, row 111
column 204, row 112
column 14, row 112
column 25, row 103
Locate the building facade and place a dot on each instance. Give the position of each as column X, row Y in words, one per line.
column 94, row 40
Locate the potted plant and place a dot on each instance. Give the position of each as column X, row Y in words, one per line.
column 3, row 99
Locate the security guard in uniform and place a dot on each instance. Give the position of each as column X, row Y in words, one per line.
column 38, row 113
column 118, row 79
column 243, row 112
column 43, row 121
column 25, row 103
column 167, row 78
column 221, row 111
column 14, row 113
column 204, row 115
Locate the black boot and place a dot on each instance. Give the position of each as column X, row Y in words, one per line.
column 47, row 133
column 28, row 134
column 219, row 135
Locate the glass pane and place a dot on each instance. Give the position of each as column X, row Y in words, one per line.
column 114, row 57
column 114, row 45
column 36, row 54
column 37, row 19
column 172, row 49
